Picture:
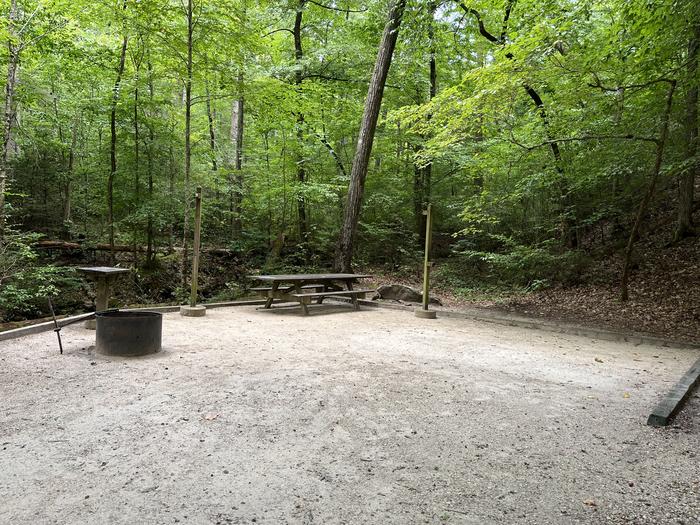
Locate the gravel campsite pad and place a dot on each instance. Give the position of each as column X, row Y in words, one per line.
column 251, row 416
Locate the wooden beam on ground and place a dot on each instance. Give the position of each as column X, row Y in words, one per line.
column 671, row 404
column 42, row 327
column 48, row 325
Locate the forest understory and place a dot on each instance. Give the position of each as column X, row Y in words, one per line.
column 664, row 293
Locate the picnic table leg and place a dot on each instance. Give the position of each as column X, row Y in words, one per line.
column 271, row 295
column 325, row 289
column 353, row 298
column 302, row 300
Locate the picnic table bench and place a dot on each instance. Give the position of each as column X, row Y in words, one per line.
column 303, row 288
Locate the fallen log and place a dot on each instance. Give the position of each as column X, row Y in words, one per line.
column 67, row 245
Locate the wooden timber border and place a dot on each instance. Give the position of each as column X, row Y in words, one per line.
column 48, row 326
column 674, row 400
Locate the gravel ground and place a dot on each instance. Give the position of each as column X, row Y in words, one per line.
column 375, row 416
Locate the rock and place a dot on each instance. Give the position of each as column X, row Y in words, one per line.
column 399, row 292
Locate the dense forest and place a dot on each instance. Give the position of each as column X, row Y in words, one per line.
column 547, row 135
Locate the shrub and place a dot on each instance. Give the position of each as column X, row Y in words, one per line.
column 533, row 267
column 24, row 283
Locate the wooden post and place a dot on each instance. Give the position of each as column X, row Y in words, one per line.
column 195, row 248
column 426, row 262
column 424, row 312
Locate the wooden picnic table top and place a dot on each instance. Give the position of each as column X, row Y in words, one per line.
column 311, row 277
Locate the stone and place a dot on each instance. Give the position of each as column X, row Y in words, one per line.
column 193, row 311
column 425, row 314
column 402, row 293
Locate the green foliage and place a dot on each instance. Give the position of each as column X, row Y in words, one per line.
column 534, row 267
column 25, row 282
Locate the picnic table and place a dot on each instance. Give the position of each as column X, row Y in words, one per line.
column 303, row 288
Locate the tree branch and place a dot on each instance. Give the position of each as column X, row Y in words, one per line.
column 332, row 8
column 340, row 79
column 504, row 27
column 333, row 153
column 277, row 31
column 482, row 29
column 628, row 136
column 599, row 84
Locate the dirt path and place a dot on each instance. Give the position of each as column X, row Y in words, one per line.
column 343, row 417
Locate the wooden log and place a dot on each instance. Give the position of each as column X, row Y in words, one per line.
column 674, row 400
column 66, row 245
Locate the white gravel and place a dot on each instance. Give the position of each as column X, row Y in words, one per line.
column 375, row 416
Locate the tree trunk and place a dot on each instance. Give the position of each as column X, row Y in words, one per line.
column 188, row 146
column 269, row 184
column 418, row 196
column 150, row 251
column 171, row 191
column 660, row 144
column 113, row 143
column 303, row 222
column 237, row 137
column 423, row 174
column 212, row 135
column 69, row 182
column 348, row 232
column 137, row 149
column 686, row 180
column 8, row 116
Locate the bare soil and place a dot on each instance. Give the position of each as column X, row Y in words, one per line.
column 251, row 416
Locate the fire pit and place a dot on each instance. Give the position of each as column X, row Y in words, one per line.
column 128, row 333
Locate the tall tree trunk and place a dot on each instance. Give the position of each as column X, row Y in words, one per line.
column 8, row 115
column 348, row 232
column 686, row 180
column 188, row 146
column 231, row 163
column 67, row 189
column 237, row 136
column 113, row 144
column 150, row 258
column 137, row 149
column 212, row 134
column 423, row 174
column 660, row 144
column 171, row 191
column 269, row 184
column 303, row 221
column 137, row 159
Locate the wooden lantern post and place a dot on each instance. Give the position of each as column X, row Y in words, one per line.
column 192, row 310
